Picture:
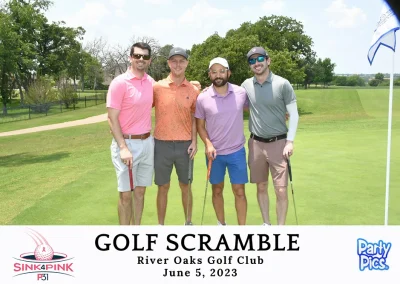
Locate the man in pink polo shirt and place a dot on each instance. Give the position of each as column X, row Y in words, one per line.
column 219, row 116
column 129, row 104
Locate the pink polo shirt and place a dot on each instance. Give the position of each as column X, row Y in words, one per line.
column 134, row 98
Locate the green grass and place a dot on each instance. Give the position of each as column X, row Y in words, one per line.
column 56, row 118
column 66, row 176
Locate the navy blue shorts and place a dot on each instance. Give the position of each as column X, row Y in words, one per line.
column 236, row 164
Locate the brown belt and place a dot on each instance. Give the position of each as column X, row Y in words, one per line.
column 141, row 136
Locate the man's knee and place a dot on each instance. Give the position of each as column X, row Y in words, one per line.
column 163, row 189
column 125, row 197
column 281, row 192
column 217, row 189
column 262, row 187
column 239, row 191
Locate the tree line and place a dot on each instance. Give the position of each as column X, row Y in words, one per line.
column 31, row 48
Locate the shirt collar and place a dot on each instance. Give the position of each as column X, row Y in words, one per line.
column 269, row 78
column 215, row 94
column 130, row 75
column 185, row 82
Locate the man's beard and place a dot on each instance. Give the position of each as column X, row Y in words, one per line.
column 221, row 83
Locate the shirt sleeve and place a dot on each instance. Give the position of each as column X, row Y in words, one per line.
column 115, row 94
column 194, row 105
column 288, row 93
column 199, row 113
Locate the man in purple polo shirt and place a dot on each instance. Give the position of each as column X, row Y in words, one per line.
column 219, row 118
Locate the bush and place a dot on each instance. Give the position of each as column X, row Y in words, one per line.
column 67, row 95
column 40, row 95
column 373, row 82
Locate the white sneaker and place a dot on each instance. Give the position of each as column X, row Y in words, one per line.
column 266, row 224
column 220, row 224
column 188, row 224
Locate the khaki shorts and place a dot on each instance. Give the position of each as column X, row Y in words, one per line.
column 143, row 163
column 265, row 157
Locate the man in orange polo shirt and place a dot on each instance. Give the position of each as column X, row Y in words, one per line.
column 175, row 132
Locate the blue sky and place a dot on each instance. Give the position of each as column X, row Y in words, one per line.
column 341, row 29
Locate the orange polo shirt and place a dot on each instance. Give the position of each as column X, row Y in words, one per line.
column 174, row 108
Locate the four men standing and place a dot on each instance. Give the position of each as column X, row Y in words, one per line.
column 219, row 117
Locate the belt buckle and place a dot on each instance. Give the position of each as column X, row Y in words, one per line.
column 142, row 136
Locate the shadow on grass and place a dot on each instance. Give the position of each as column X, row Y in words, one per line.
column 17, row 160
column 246, row 114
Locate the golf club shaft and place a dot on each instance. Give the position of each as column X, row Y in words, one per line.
column 190, row 186
column 205, row 194
column 291, row 185
column 133, row 194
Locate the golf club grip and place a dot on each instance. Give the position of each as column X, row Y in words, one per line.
column 209, row 169
column 290, row 169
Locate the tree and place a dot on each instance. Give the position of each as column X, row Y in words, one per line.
column 379, row 77
column 233, row 48
column 8, row 57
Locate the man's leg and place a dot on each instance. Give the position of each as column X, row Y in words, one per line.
column 240, row 202
column 162, row 200
column 218, row 201
column 188, row 211
column 182, row 171
column 237, row 168
column 263, row 201
column 279, row 174
column 139, row 204
column 281, row 204
column 163, row 164
column 125, row 208
column 259, row 170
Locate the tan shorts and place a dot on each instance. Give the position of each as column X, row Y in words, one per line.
column 265, row 157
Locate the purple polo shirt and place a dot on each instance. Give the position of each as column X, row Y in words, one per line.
column 224, row 117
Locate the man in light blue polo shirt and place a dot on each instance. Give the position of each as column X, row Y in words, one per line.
column 219, row 118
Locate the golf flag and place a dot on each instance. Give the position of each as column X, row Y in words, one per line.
column 385, row 32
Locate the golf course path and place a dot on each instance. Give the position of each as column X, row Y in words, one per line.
column 89, row 120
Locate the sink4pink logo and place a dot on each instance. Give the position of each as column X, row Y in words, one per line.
column 43, row 261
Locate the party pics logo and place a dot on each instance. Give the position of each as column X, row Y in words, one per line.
column 43, row 261
column 373, row 256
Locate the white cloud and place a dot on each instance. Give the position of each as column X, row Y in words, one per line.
column 202, row 14
column 118, row 3
column 120, row 13
column 90, row 15
column 158, row 2
column 343, row 16
column 273, row 6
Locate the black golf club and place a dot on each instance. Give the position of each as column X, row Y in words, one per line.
column 291, row 184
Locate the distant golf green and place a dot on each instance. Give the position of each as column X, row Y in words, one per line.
column 65, row 176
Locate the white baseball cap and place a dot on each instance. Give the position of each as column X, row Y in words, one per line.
column 219, row 60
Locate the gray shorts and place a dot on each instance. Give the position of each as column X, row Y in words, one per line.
column 166, row 155
column 143, row 163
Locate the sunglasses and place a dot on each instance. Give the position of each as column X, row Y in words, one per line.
column 138, row 56
column 259, row 59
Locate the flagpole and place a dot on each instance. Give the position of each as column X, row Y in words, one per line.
column 389, row 143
